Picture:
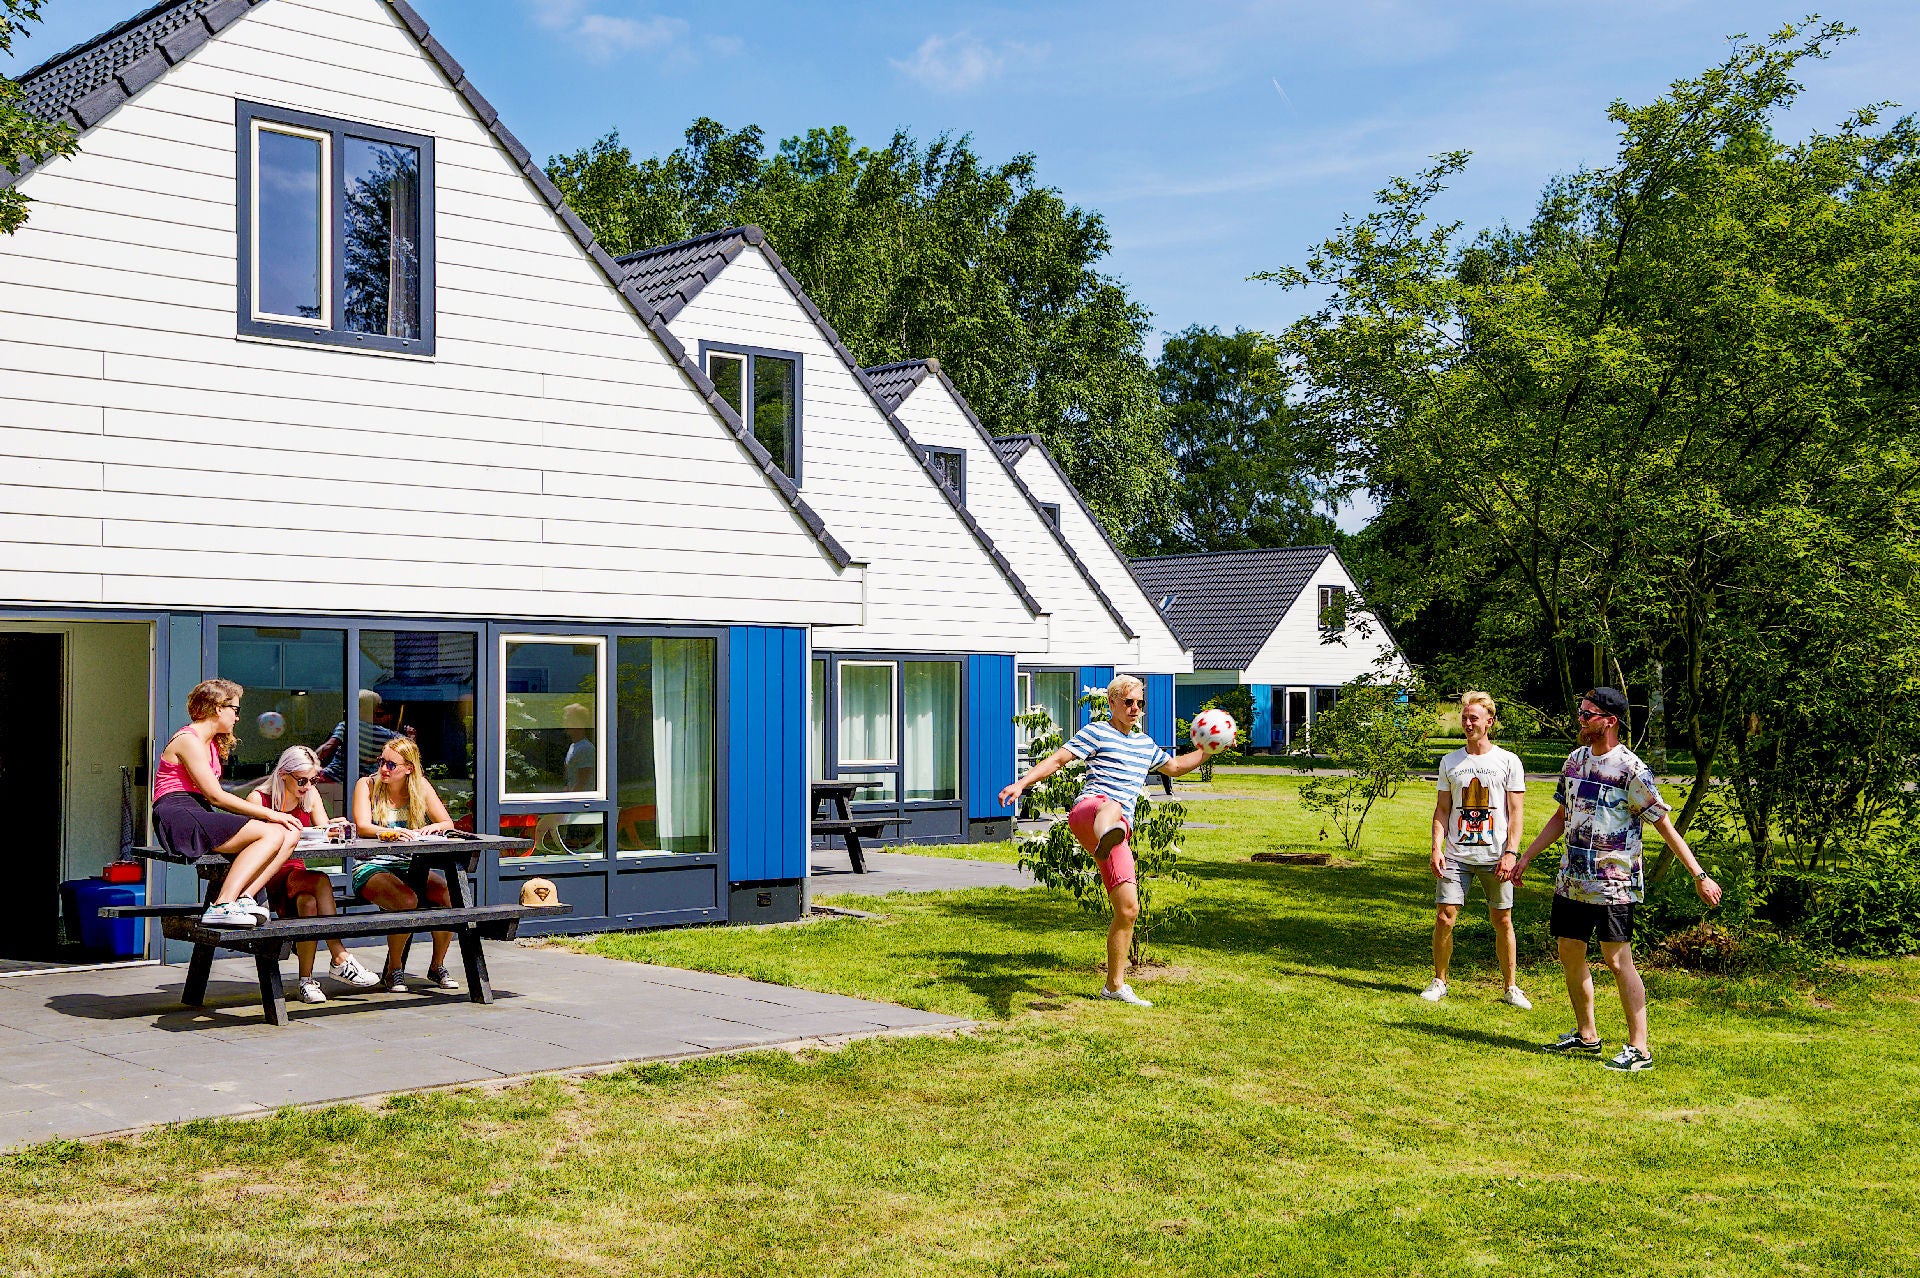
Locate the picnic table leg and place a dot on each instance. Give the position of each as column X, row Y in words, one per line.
column 854, row 854
column 199, row 968
column 474, row 958
column 273, row 997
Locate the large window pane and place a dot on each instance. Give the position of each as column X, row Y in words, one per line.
column 290, row 207
column 931, row 712
column 866, row 712
column 1053, row 691
column 295, row 684
column 557, row 836
column 817, row 721
column 665, row 724
column 879, row 787
column 774, row 402
column 380, row 229
column 421, row 684
column 550, row 717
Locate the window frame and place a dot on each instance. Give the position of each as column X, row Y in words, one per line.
column 893, row 715
column 960, row 455
column 248, row 119
column 1327, row 595
column 747, row 355
column 511, row 802
column 1050, row 511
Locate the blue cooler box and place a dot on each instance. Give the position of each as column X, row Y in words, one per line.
column 122, row 938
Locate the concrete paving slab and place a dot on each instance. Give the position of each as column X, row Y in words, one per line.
column 85, row 1053
column 909, row 872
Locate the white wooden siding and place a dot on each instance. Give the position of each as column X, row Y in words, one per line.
column 549, row 461
column 1081, row 632
column 1160, row 650
column 1294, row 655
column 930, row 585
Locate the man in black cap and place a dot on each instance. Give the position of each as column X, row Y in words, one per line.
column 1605, row 794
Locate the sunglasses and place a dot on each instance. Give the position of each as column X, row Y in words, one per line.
column 1584, row 715
column 1133, row 701
column 304, row 782
column 388, row 765
column 228, row 705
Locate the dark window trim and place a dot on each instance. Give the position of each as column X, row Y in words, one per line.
column 1328, row 596
column 1050, row 510
column 830, row 726
column 749, row 353
column 935, row 450
column 245, row 114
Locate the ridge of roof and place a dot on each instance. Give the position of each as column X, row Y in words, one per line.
column 672, row 275
column 921, row 369
column 81, row 85
column 757, row 237
column 1226, row 604
column 1033, row 443
column 215, row 16
column 898, row 380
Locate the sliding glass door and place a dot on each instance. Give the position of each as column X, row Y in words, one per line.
column 894, row 724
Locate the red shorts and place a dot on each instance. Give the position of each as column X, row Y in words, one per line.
column 275, row 893
column 1118, row 867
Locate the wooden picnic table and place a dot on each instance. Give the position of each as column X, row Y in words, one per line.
column 456, row 856
column 838, row 795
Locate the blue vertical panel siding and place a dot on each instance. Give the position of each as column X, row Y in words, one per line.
column 1092, row 677
column 1189, row 697
column 989, row 734
column 1160, row 709
column 766, row 754
column 1261, row 729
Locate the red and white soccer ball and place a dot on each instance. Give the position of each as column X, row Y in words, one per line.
column 1213, row 731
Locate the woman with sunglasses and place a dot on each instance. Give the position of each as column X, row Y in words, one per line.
column 1119, row 756
column 195, row 817
column 397, row 804
column 296, row 891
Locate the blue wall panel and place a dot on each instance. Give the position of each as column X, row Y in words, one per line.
column 766, row 754
column 1160, row 710
column 1189, row 697
column 1261, row 729
column 1092, row 677
column 989, row 734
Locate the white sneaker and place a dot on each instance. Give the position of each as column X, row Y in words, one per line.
column 1517, row 999
column 350, row 974
column 1435, row 991
column 261, row 913
column 394, row 981
column 229, row 915
column 310, row 991
column 1124, row 994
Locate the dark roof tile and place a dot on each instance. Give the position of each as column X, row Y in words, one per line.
column 1013, row 447
column 1226, row 603
column 671, row 276
column 897, row 381
column 52, row 89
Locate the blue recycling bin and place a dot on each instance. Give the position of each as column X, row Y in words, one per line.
column 122, row 938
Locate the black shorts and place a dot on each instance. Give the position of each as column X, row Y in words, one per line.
column 1581, row 920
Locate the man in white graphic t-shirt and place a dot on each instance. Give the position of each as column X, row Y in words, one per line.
column 1476, row 835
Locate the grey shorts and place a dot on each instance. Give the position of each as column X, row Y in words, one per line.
column 1452, row 889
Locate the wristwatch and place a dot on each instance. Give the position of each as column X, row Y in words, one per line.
column 1702, row 875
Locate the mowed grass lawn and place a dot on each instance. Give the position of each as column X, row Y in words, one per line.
column 1288, row 1107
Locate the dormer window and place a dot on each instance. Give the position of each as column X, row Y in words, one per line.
column 764, row 388
column 1166, row 602
column 335, row 232
column 950, row 464
column 1051, row 509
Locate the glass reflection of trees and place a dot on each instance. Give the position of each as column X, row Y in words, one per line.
column 381, row 235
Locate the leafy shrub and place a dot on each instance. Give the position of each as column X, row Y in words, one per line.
column 1866, row 905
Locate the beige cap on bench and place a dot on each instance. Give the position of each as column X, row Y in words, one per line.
column 539, row 892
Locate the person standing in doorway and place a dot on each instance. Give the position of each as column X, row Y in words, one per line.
column 1605, row 795
column 1476, row 835
column 1119, row 756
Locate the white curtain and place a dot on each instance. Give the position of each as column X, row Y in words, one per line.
column 931, row 710
column 866, row 712
column 817, row 721
column 683, row 743
column 1054, row 691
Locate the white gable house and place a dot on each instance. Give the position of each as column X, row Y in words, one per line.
column 1287, row 623
column 914, row 697
column 310, row 380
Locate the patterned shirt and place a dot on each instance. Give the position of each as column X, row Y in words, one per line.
column 1117, row 762
column 1607, row 798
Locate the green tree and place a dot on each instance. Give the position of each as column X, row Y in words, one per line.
column 1627, row 431
column 1375, row 737
column 25, row 139
column 924, row 250
column 1246, row 472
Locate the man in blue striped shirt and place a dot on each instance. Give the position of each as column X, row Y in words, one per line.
column 1119, row 756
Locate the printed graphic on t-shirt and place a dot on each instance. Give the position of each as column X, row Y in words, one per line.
column 1476, row 817
column 1607, row 797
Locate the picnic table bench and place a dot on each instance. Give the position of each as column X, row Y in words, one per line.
column 269, row 942
column 838, row 796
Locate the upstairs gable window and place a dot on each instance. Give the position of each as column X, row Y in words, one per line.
column 950, row 464
column 1051, row 509
column 764, row 388
column 336, row 232
column 1333, row 610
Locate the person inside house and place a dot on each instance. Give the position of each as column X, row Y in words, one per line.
column 396, row 804
column 296, row 891
column 376, row 729
column 195, row 817
column 582, row 762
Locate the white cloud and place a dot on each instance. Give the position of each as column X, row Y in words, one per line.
column 962, row 61
column 605, row 36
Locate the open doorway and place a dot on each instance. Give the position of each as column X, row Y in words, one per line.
column 75, row 732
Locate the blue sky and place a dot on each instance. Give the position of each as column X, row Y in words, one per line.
column 1218, row 137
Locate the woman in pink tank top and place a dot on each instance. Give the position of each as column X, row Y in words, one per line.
column 196, row 817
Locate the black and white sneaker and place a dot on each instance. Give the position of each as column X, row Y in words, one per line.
column 1631, row 1060
column 1571, row 1044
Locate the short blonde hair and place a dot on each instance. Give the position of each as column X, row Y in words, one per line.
column 1118, row 688
column 1474, row 697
